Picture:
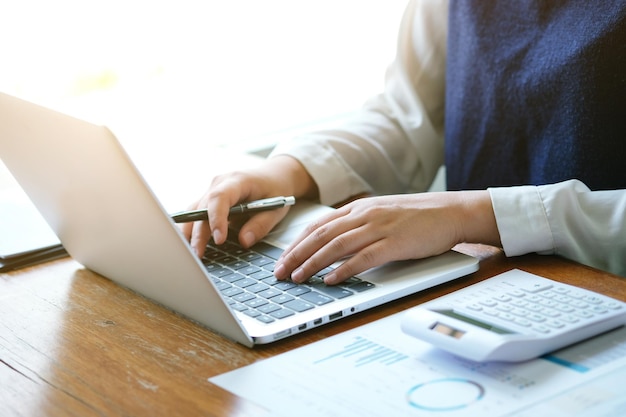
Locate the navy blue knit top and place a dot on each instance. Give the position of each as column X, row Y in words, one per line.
column 536, row 93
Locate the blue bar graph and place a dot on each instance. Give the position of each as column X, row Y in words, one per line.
column 366, row 352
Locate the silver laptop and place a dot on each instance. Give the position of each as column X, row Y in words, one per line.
column 88, row 190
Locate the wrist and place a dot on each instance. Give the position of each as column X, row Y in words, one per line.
column 291, row 171
column 478, row 218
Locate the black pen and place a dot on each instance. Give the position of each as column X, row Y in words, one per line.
column 250, row 207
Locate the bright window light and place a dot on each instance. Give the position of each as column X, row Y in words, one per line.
column 224, row 73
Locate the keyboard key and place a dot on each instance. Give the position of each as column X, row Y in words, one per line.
column 261, row 275
column 298, row 305
column 232, row 291
column 258, row 287
column 252, row 313
column 334, row 291
column 269, row 293
column 265, row 319
column 268, row 308
column 316, row 298
column 282, row 313
column 244, row 297
column 249, row 270
column 220, row 272
column 256, row 302
column 262, row 261
column 232, row 277
column 268, row 250
column 246, row 282
column 361, row 286
column 298, row 290
column 284, row 285
column 282, row 298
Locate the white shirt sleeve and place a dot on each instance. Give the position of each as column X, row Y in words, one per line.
column 395, row 144
column 565, row 219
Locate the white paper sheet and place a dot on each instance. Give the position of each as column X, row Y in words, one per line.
column 376, row 370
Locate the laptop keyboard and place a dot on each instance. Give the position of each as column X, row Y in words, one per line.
column 246, row 280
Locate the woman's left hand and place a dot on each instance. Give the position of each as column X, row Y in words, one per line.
column 372, row 231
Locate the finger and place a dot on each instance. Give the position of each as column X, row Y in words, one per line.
column 259, row 225
column 200, row 236
column 325, row 245
column 224, row 194
column 311, row 228
column 373, row 255
column 342, row 247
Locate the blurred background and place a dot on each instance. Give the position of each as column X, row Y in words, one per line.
column 236, row 74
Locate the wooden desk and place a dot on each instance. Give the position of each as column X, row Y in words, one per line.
column 74, row 343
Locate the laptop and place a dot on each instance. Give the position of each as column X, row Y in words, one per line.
column 108, row 219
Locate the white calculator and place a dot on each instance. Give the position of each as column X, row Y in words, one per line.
column 514, row 316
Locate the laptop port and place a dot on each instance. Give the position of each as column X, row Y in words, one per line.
column 335, row 316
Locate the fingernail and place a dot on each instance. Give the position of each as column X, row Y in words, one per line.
column 248, row 239
column 217, row 236
column 279, row 271
column 297, row 275
column 330, row 278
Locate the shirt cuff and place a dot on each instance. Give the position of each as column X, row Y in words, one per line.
column 522, row 220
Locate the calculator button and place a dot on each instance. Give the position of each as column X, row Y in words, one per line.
column 565, row 308
column 537, row 287
column 538, row 318
column 549, row 303
column 519, row 312
column 584, row 314
column 580, row 304
column 534, row 307
column 556, row 324
column 519, row 303
column 550, row 313
column 570, row 319
column 474, row 307
column 592, row 299
column 522, row 322
column 575, row 294
column 541, row 329
column 507, row 316
column 599, row 310
column 516, row 293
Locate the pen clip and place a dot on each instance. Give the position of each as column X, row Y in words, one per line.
column 270, row 202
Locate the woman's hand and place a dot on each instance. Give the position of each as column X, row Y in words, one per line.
column 281, row 175
column 372, row 231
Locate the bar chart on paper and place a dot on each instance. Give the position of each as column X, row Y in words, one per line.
column 364, row 352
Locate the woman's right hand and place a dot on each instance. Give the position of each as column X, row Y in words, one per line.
column 276, row 176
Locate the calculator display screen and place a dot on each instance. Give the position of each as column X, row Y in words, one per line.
column 448, row 330
column 487, row 326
